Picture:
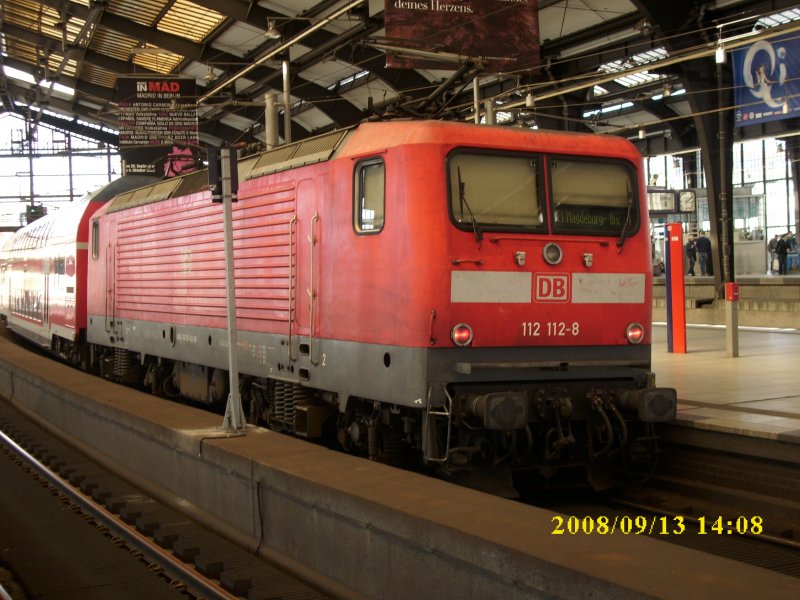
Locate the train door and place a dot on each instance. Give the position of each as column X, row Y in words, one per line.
column 308, row 252
column 5, row 288
column 110, row 281
column 46, row 293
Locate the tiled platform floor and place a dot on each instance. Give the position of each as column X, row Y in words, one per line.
column 755, row 394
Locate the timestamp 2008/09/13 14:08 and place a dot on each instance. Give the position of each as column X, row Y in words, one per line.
column 655, row 525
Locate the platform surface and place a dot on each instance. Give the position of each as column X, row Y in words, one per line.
column 277, row 494
column 755, row 394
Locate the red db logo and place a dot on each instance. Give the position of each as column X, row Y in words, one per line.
column 552, row 288
column 70, row 266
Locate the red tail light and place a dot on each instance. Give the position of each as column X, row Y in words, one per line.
column 461, row 335
column 635, row 333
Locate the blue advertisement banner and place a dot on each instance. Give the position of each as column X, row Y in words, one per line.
column 766, row 79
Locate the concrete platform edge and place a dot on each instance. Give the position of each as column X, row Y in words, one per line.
column 313, row 505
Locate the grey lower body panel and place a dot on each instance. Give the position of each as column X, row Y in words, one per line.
column 391, row 374
column 406, row 376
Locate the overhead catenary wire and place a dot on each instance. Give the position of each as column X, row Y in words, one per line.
column 319, row 101
column 420, row 89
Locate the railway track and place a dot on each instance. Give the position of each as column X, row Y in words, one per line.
column 195, row 553
column 713, row 534
column 718, row 514
column 758, row 538
column 184, row 559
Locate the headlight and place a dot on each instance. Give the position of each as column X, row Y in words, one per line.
column 552, row 254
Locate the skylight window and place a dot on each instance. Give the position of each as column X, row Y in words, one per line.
column 635, row 79
column 607, row 109
column 349, row 80
column 781, row 18
column 28, row 78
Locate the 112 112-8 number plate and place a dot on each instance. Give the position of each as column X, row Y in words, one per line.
column 550, row 329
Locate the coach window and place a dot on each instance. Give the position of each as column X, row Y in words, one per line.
column 594, row 197
column 369, row 196
column 95, row 239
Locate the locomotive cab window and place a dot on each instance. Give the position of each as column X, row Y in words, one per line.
column 369, row 190
column 495, row 191
column 593, row 197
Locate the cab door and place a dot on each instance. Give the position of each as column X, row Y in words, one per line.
column 308, row 250
column 110, row 279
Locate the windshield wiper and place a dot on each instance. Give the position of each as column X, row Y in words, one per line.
column 462, row 199
column 624, row 233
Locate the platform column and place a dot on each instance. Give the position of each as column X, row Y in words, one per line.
column 732, row 319
column 676, row 293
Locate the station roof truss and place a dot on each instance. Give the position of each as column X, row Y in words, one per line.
column 611, row 66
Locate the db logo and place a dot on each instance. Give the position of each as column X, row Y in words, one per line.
column 552, row 288
column 70, row 266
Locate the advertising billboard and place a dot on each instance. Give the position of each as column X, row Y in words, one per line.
column 501, row 34
column 157, row 124
column 766, row 78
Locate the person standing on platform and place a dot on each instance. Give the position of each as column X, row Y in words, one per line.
column 771, row 247
column 782, row 250
column 703, row 245
column 691, row 254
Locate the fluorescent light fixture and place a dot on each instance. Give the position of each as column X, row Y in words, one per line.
column 148, row 50
column 719, row 55
column 272, row 32
column 211, row 75
column 530, row 101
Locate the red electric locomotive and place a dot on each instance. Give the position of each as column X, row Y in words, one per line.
column 473, row 296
